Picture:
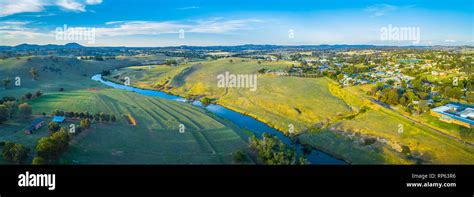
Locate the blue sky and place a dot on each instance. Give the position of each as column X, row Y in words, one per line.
column 230, row 22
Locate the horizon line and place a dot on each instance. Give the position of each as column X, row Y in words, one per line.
column 284, row 45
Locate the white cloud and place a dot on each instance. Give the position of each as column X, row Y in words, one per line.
column 213, row 26
column 93, row 2
column 189, row 8
column 15, row 22
column 139, row 28
column 19, row 30
column 223, row 26
column 9, row 7
column 71, row 5
column 380, row 9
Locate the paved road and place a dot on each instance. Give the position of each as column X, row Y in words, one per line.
column 420, row 123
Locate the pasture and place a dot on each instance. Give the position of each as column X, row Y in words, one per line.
column 156, row 137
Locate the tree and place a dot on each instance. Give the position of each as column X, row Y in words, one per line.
column 470, row 97
column 403, row 101
column 96, row 117
column 49, row 148
column 16, row 153
column 273, row 151
column 38, row 161
column 170, row 62
column 390, row 82
column 25, row 110
column 85, row 123
column 28, row 96
column 404, row 84
column 239, row 156
column 3, row 113
column 456, row 93
column 379, row 85
column 205, row 101
column 406, row 150
column 12, row 107
column 6, row 82
column 53, row 127
column 38, row 93
column 102, row 116
column 423, row 106
column 34, row 73
column 393, row 97
column 113, row 118
column 61, row 139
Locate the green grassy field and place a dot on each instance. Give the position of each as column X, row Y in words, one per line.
column 280, row 101
column 53, row 73
column 424, row 143
column 155, row 139
column 270, row 103
column 353, row 150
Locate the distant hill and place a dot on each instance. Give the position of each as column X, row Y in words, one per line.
column 26, row 46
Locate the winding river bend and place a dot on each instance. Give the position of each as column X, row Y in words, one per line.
column 241, row 120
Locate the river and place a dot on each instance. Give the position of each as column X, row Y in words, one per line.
column 241, row 120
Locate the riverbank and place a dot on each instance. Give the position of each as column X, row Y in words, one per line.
column 244, row 121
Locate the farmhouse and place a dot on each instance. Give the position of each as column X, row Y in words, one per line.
column 58, row 119
column 35, row 125
column 456, row 113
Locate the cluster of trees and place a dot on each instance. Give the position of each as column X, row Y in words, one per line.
column 29, row 95
column 6, row 82
column 420, row 91
column 14, row 152
column 98, row 117
column 403, row 97
column 273, row 151
column 54, row 127
column 105, row 72
column 50, row 148
column 9, row 108
column 446, row 88
column 452, row 92
column 171, row 62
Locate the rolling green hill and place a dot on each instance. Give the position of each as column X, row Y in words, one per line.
column 155, row 139
column 53, row 73
column 303, row 102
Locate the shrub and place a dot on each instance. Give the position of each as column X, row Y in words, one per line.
column 239, row 156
